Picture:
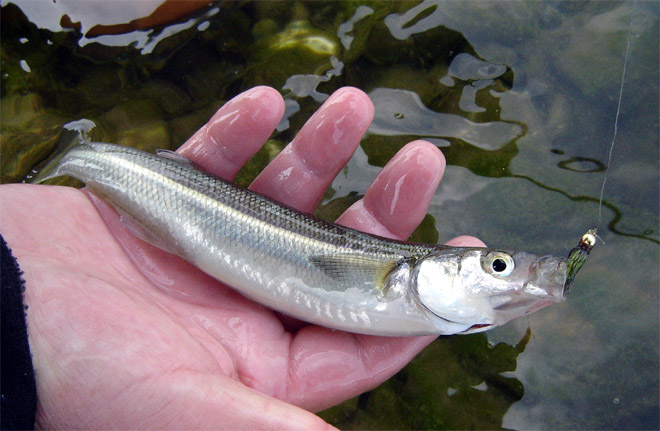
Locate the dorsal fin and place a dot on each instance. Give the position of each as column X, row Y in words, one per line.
column 168, row 154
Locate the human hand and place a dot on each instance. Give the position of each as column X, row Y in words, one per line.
column 124, row 335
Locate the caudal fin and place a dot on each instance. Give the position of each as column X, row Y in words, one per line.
column 73, row 134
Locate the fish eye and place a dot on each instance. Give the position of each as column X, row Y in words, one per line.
column 498, row 264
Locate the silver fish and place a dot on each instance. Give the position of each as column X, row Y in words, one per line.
column 308, row 268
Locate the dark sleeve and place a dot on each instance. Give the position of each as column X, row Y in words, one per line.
column 19, row 392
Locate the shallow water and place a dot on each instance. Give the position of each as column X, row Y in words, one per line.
column 520, row 96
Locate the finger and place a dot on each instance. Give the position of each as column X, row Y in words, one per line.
column 302, row 172
column 397, row 200
column 465, row 241
column 235, row 132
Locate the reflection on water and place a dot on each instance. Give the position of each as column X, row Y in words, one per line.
column 521, row 98
column 401, row 112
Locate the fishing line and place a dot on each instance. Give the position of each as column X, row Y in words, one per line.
column 578, row 255
column 616, row 119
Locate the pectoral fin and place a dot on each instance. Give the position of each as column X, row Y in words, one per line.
column 355, row 270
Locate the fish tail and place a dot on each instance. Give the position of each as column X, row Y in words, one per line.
column 74, row 134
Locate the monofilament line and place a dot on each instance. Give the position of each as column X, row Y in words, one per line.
column 616, row 118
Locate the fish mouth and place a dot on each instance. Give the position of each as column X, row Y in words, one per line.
column 523, row 302
column 549, row 279
column 525, row 305
column 545, row 286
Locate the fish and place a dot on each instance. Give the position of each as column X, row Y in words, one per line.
column 305, row 267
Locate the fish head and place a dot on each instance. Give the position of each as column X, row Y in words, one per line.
column 475, row 289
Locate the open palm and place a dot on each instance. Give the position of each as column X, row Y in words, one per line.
column 124, row 335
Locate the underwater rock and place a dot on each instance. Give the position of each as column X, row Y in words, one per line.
column 298, row 49
column 148, row 136
column 28, row 134
column 138, row 124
